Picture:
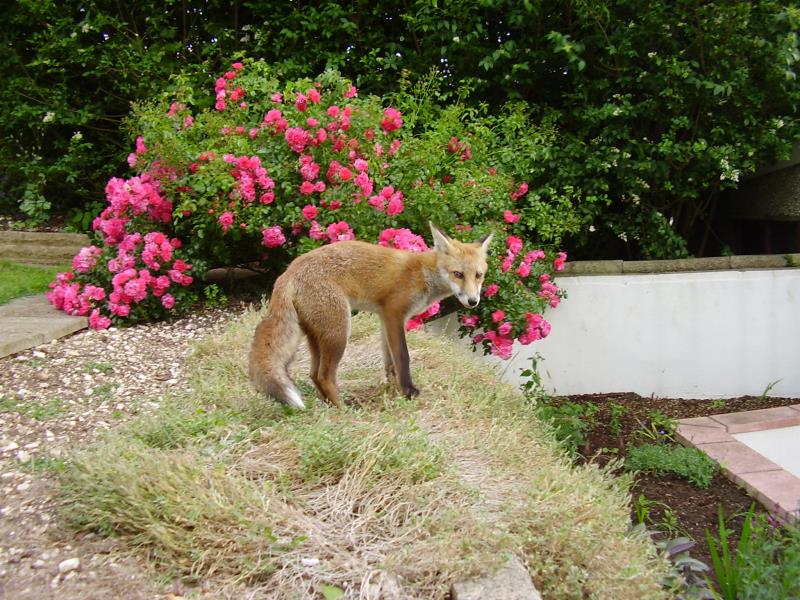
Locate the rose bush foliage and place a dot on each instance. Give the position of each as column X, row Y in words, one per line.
column 274, row 170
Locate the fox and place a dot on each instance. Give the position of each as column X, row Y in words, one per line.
column 317, row 293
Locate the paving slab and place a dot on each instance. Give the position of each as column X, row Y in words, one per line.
column 512, row 582
column 757, row 420
column 702, row 430
column 31, row 321
column 738, row 458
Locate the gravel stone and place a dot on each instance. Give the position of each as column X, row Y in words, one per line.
column 58, row 397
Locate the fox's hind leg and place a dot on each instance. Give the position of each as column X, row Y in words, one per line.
column 326, row 322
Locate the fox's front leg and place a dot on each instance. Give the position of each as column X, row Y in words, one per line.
column 395, row 336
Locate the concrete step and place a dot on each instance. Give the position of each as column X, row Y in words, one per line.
column 41, row 248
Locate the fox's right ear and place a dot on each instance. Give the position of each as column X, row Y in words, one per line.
column 440, row 241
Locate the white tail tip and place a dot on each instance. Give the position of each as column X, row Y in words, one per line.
column 294, row 400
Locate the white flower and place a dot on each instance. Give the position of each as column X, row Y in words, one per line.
column 77, row 136
column 48, row 117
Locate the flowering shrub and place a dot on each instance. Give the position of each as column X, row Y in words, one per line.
column 271, row 171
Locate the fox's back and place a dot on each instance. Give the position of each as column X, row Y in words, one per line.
column 365, row 273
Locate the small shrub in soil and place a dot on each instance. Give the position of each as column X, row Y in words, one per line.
column 689, row 463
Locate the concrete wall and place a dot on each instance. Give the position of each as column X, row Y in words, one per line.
column 712, row 334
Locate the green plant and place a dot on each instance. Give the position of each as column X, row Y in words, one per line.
column 532, row 380
column 768, row 389
column 771, row 561
column 45, row 465
column 641, row 508
column 659, row 427
column 178, row 428
column 45, row 410
column 689, row 463
column 104, row 392
column 104, row 367
column 728, row 562
column 209, row 504
column 214, row 296
column 635, row 169
column 571, row 421
column 688, row 576
column 617, row 411
column 718, row 404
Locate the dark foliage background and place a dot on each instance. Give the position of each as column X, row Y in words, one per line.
column 655, row 107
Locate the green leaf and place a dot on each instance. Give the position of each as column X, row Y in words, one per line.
column 331, row 592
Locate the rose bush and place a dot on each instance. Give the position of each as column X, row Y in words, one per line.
column 273, row 170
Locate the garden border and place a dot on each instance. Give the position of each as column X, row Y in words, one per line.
column 773, row 486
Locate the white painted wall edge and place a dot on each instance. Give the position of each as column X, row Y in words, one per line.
column 715, row 334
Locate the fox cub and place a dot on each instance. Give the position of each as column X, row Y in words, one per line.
column 319, row 289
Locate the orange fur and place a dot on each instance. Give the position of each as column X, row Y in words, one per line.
column 317, row 292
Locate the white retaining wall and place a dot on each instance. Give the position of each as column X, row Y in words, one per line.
column 713, row 334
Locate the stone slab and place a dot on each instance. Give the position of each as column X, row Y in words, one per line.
column 715, row 263
column 593, row 267
column 512, row 582
column 31, row 306
column 31, row 321
column 765, row 261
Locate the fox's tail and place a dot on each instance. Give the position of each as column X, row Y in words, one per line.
column 275, row 343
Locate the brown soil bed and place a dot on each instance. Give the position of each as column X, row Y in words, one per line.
column 697, row 510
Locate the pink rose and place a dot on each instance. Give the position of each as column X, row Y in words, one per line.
column 273, row 237
column 310, row 212
column 469, row 320
column 225, row 220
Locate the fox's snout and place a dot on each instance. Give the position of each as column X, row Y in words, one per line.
column 468, row 301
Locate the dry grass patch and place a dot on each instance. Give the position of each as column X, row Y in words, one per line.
column 387, row 497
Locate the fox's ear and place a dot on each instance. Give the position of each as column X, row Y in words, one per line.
column 440, row 241
column 485, row 242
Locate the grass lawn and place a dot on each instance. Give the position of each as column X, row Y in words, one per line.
column 24, row 280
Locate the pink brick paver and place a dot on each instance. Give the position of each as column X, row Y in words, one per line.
column 758, row 420
column 739, row 458
column 703, row 430
column 777, row 489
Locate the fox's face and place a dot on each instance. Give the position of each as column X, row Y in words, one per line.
column 463, row 265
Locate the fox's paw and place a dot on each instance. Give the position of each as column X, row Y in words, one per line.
column 410, row 391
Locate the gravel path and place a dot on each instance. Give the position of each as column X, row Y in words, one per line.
column 59, row 396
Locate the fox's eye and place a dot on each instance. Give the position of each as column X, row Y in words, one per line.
column 458, row 275
column 478, row 276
